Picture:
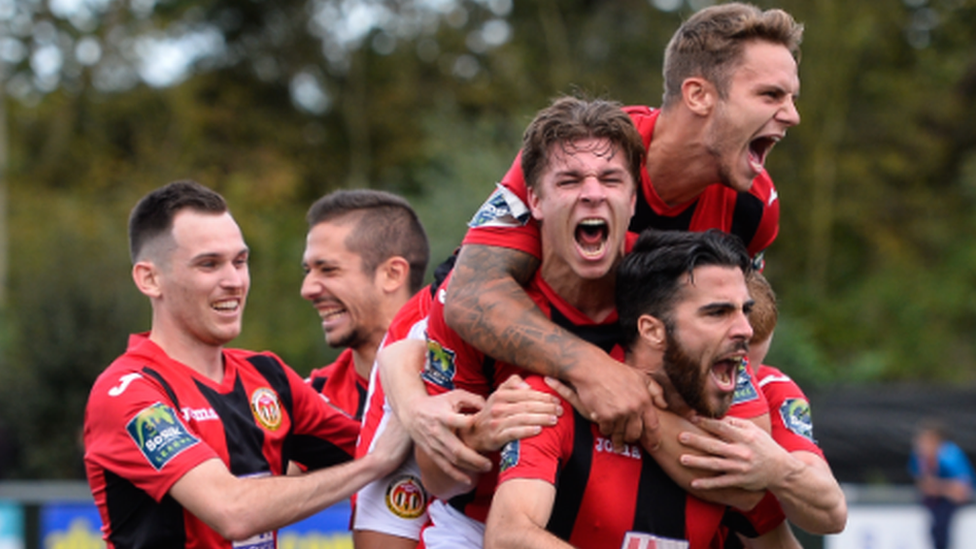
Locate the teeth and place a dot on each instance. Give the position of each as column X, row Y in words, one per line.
column 226, row 305
column 593, row 222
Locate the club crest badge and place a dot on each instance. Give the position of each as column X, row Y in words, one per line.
column 266, row 408
column 406, row 498
column 795, row 413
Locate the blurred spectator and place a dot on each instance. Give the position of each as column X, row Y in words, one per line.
column 943, row 475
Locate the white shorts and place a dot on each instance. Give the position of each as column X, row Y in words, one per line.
column 451, row 528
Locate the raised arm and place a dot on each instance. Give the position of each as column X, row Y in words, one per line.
column 239, row 508
column 487, row 305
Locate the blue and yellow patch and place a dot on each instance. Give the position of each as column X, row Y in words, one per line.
column 440, row 367
column 509, row 456
column 745, row 390
column 159, row 434
column 502, row 209
column 796, row 417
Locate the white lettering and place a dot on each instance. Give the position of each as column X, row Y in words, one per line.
column 201, row 414
column 124, row 382
column 606, row 445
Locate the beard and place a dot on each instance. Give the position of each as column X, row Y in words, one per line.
column 690, row 381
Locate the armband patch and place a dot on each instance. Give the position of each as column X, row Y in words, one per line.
column 510, row 455
column 440, row 367
column 159, row 434
column 795, row 413
column 745, row 390
column 502, row 209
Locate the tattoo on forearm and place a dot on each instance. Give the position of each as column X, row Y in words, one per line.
column 488, row 307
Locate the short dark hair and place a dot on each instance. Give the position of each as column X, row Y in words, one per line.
column 386, row 226
column 710, row 44
column 153, row 215
column 649, row 278
column 570, row 119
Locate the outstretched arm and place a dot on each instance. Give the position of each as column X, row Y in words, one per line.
column 745, row 456
column 487, row 305
column 241, row 508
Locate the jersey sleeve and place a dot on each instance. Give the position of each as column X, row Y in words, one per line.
column 763, row 189
column 504, row 220
column 451, row 362
column 538, row 457
column 789, row 412
column 760, row 520
column 323, row 435
column 748, row 401
column 133, row 429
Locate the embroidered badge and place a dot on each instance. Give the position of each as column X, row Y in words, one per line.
column 796, row 417
column 745, row 390
column 266, row 408
column 440, row 368
column 159, row 434
column 502, row 209
column 509, row 456
column 406, row 498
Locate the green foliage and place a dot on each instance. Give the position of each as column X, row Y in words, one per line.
column 878, row 184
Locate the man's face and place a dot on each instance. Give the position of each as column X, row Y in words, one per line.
column 204, row 282
column 709, row 339
column 347, row 299
column 584, row 200
column 755, row 115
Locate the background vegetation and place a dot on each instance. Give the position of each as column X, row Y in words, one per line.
column 279, row 102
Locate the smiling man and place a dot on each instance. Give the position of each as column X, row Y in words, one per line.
column 186, row 441
column 730, row 84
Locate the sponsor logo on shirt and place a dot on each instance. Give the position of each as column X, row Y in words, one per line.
column 640, row 540
column 200, row 414
column 440, row 368
column 745, row 391
column 159, row 434
column 124, row 382
column 502, row 209
column 509, row 456
column 406, row 498
column 265, row 540
column 266, row 408
column 796, row 417
column 606, row 445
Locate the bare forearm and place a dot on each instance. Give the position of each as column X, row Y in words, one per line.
column 241, row 508
column 488, row 307
column 437, row 481
column 810, row 496
column 400, row 365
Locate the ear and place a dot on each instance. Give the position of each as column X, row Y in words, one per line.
column 653, row 331
column 699, row 95
column 393, row 274
column 533, row 197
column 146, row 276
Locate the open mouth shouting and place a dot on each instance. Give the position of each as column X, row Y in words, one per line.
column 758, row 150
column 591, row 237
column 725, row 372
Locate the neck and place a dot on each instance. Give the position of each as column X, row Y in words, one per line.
column 206, row 359
column 592, row 297
column 363, row 358
column 364, row 355
column 649, row 360
column 678, row 161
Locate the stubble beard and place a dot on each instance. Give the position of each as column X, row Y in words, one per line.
column 688, row 379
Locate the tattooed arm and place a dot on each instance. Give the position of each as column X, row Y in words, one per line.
column 487, row 305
